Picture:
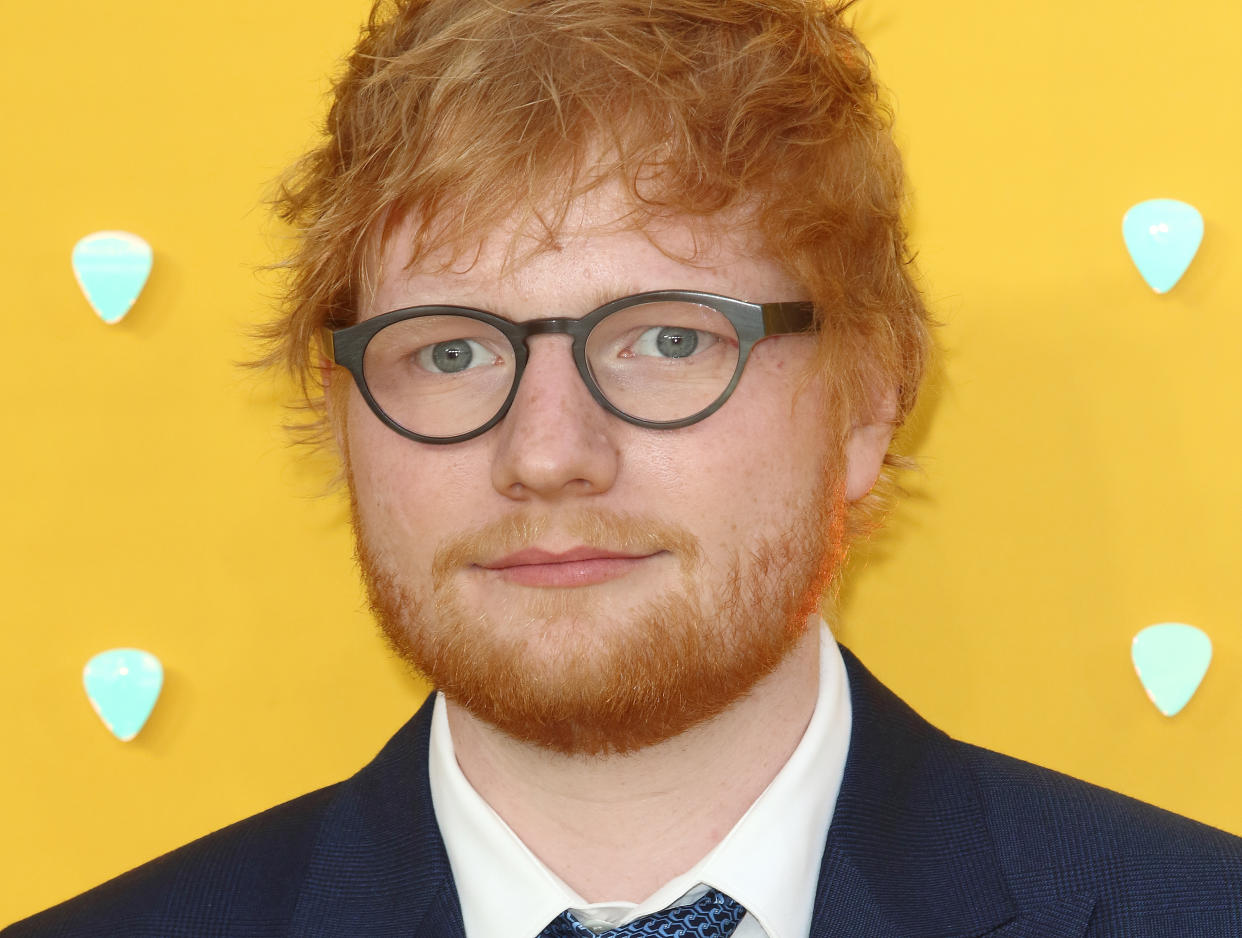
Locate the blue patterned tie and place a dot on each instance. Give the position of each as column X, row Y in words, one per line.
column 713, row 916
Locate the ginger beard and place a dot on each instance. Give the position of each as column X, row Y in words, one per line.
column 563, row 673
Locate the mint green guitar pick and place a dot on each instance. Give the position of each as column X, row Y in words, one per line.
column 1171, row 660
column 1163, row 237
column 112, row 268
column 122, row 685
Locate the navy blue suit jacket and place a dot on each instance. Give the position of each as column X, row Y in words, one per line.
column 931, row 838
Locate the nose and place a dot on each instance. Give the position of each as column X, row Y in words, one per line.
column 555, row 441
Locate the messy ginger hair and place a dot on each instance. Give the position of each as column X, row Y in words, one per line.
column 460, row 114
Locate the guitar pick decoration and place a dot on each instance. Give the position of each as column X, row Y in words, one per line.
column 1163, row 237
column 122, row 685
column 1171, row 659
column 112, row 268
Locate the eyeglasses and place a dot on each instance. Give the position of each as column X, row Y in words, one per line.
column 662, row 360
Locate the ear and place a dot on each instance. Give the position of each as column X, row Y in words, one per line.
column 867, row 446
column 325, row 374
column 335, row 398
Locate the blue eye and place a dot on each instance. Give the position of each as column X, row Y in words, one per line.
column 453, row 356
column 670, row 342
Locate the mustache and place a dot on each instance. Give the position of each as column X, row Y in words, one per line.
column 603, row 530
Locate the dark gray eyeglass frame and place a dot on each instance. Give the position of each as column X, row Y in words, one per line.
column 753, row 321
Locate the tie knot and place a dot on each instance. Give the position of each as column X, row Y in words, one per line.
column 714, row 915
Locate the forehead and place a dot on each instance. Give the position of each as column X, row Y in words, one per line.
column 601, row 249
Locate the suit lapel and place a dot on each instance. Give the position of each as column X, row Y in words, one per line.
column 1067, row 918
column 909, row 852
column 379, row 867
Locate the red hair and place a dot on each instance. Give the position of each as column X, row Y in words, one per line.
column 461, row 113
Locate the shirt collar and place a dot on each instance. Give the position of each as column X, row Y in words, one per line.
column 769, row 862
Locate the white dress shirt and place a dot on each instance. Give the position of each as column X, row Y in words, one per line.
column 769, row 862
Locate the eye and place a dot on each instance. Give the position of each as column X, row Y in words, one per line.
column 453, row 356
column 671, row 342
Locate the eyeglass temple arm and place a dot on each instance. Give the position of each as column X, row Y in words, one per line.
column 787, row 318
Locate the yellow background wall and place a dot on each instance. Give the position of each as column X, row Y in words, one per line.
column 1079, row 445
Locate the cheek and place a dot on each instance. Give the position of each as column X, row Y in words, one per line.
column 409, row 495
column 790, row 446
column 785, row 410
column 750, row 469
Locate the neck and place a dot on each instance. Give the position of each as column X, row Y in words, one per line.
column 619, row 827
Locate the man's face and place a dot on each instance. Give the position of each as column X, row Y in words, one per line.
column 577, row 581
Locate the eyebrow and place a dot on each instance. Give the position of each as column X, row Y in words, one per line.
column 596, row 298
column 603, row 295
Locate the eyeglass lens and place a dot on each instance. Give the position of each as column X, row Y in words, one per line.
column 441, row 376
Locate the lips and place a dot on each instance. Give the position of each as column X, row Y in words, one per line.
column 533, row 556
column 581, row 566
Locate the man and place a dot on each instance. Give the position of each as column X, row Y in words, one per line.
column 611, row 308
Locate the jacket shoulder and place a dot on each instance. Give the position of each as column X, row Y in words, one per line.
column 242, row 880
column 1058, row 835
